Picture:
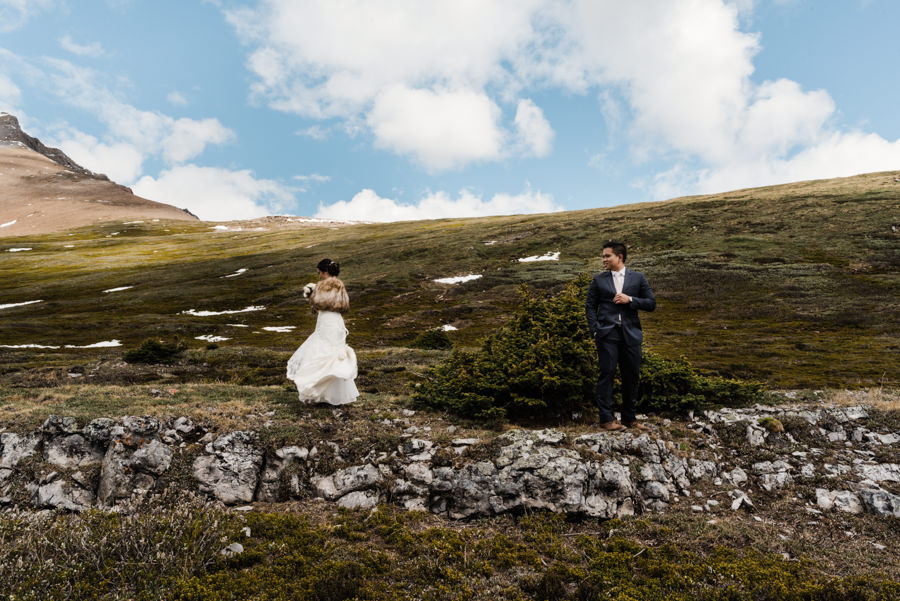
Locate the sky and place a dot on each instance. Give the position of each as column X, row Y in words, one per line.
column 383, row 110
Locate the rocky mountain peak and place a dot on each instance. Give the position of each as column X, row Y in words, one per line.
column 11, row 134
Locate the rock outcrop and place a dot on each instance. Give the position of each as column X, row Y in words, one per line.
column 601, row 475
column 11, row 133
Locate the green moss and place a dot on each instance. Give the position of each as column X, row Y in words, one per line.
column 771, row 424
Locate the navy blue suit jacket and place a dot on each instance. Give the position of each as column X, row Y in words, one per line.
column 603, row 314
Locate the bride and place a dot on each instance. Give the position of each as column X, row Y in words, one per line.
column 324, row 367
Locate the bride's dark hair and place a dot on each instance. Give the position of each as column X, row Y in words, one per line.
column 329, row 267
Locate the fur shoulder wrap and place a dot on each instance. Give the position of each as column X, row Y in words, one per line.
column 330, row 295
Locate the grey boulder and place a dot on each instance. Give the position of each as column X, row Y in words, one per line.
column 231, row 470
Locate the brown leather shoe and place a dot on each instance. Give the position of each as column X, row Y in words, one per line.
column 612, row 426
column 637, row 426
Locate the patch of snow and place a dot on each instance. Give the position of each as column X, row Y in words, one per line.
column 196, row 313
column 13, row 222
column 236, row 273
column 237, row 325
column 449, row 328
column 119, row 289
column 282, row 329
column 490, row 243
column 550, row 256
column 16, row 250
column 19, row 304
column 132, row 222
column 69, row 246
column 211, row 338
column 458, row 279
column 104, row 344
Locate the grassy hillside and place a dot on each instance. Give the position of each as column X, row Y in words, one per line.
column 797, row 285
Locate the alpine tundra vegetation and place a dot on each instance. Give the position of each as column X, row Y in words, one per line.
column 151, row 448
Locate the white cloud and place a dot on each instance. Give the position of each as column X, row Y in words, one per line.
column 368, row 206
column 447, row 83
column 132, row 135
column 176, row 98
column 216, row 194
column 837, row 155
column 306, row 180
column 783, row 117
column 189, row 137
column 441, row 129
column 534, row 131
column 314, row 131
column 354, row 60
column 15, row 13
column 333, row 58
column 683, row 67
column 149, row 132
column 313, row 177
column 93, row 50
column 121, row 161
column 10, row 95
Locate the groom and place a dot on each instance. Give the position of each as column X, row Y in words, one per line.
column 613, row 301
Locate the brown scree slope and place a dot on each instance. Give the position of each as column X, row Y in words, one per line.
column 39, row 195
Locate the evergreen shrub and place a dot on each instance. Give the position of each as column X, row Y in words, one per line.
column 543, row 364
column 155, row 351
column 433, row 339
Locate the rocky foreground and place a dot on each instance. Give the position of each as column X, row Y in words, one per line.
column 821, row 459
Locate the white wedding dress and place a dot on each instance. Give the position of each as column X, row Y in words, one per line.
column 324, row 367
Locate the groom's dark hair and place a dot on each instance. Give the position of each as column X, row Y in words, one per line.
column 618, row 248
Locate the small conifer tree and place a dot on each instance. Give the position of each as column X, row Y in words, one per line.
column 542, row 365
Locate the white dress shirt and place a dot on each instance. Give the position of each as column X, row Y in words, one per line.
column 619, row 280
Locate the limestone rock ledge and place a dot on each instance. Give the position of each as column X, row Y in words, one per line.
column 601, row 475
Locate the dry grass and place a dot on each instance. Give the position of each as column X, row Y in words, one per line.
column 878, row 398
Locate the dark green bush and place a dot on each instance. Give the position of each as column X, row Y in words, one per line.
column 433, row 339
column 543, row 364
column 673, row 385
column 155, row 351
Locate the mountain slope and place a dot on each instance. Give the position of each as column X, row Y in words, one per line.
column 797, row 285
column 42, row 190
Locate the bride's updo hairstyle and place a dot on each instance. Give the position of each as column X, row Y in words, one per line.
column 330, row 267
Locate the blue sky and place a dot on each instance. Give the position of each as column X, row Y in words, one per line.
column 384, row 110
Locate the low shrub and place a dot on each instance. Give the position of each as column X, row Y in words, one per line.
column 135, row 554
column 673, row 385
column 433, row 340
column 543, row 364
column 155, row 351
